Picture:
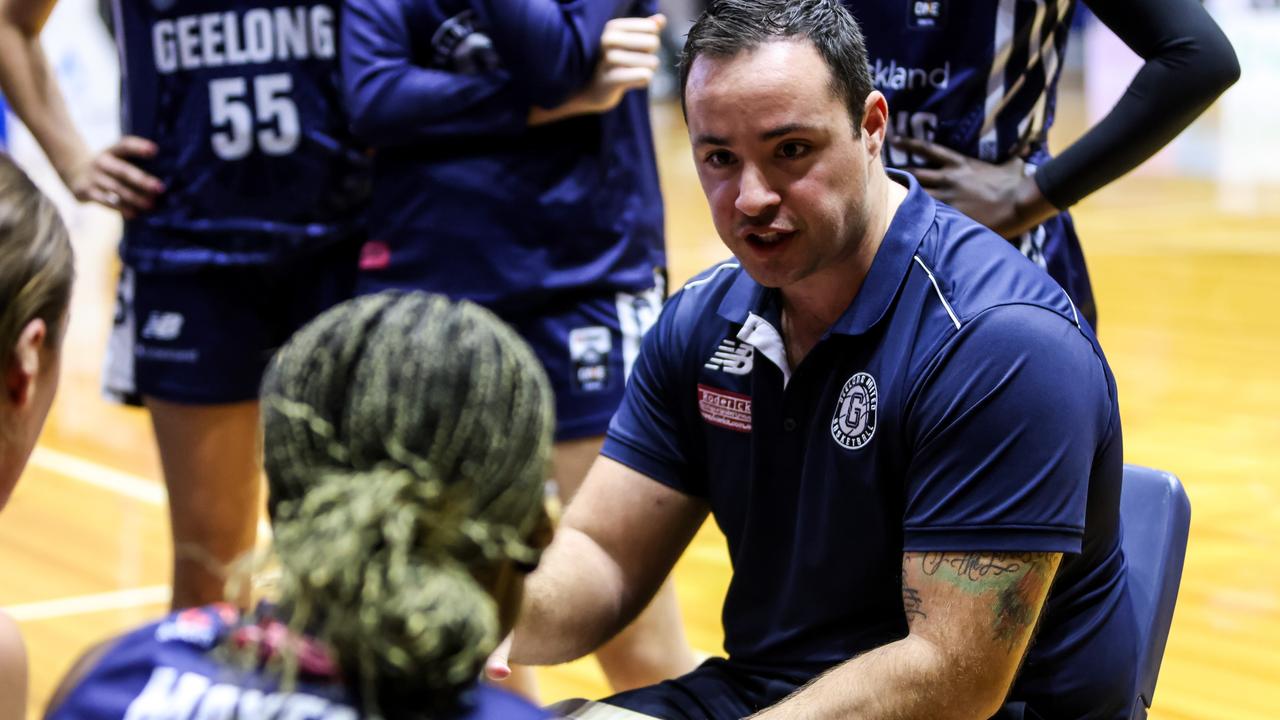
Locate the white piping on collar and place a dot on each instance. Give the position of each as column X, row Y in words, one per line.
column 937, row 289
column 712, row 276
column 1072, row 303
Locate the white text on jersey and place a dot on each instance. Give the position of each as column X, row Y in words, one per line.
column 171, row 695
column 260, row 35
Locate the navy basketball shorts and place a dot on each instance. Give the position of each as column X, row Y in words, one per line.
column 205, row 336
column 586, row 340
column 587, row 345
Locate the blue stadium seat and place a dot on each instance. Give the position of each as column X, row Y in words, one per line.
column 1156, row 516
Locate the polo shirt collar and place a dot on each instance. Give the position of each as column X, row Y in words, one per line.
column 746, row 300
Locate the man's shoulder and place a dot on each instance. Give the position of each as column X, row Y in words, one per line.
column 975, row 270
column 698, row 303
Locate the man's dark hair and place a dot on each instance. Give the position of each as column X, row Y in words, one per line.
column 729, row 27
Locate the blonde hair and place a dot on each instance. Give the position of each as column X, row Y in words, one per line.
column 36, row 263
column 406, row 441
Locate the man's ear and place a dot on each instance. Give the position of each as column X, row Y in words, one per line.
column 875, row 121
column 24, row 364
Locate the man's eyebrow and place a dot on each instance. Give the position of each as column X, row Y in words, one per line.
column 773, row 133
column 706, row 139
column 787, row 129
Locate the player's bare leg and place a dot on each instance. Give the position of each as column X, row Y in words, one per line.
column 654, row 647
column 213, row 472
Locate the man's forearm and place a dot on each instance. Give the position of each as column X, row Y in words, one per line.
column 573, row 603
column 909, row 678
column 31, row 90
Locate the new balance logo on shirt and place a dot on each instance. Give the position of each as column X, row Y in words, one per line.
column 733, row 356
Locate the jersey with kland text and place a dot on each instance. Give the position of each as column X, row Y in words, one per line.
column 980, row 78
column 242, row 99
column 958, row 405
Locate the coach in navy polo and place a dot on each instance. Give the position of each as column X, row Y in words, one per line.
column 908, row 436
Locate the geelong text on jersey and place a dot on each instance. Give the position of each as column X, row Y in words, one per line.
column 260, row 35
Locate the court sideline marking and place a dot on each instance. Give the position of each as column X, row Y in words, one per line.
column 116, row 481
column 132, row 486
column 86, row 604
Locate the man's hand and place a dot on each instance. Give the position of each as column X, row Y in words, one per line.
column 1002, row 197
column 628, row 61
column 110, row 178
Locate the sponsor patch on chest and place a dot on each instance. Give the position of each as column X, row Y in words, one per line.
column 729, row 410
column 926, row 14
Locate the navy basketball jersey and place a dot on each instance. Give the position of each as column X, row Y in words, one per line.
column 171, row 670
column 242, row 98
column 979, row 77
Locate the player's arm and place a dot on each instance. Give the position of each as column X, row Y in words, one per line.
column 551, row 48
column 618, row 541
column 970, row 617
column 31, row 89
column 628, row 61
column 1188, row 64
column 392, row 101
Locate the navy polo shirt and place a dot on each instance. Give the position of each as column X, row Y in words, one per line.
column 958, row 404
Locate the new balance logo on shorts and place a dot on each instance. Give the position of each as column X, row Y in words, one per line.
column 163, row 326
column 733, row 356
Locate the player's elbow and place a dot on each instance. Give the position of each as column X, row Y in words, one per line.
column 1207, row 66
column 366, row 117
column 1224, row 67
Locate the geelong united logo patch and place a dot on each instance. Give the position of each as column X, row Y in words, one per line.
column 725, row 409
column 854, row 421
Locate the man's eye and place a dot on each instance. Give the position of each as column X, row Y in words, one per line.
column 792, row 150
column 719, row 158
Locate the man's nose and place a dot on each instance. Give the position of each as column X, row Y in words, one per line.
column 755, row 195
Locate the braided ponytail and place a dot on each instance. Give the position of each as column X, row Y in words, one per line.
column 406, row 441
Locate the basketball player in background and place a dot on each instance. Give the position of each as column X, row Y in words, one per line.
column 973, row 88
column 36, row 272
column 515, row 168
column 242, row 193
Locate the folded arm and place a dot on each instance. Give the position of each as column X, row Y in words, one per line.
column 392, row 101
column 550, row 48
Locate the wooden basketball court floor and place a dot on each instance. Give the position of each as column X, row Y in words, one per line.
column 1190, row 319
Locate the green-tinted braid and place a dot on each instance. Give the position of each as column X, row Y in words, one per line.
column 406, row 442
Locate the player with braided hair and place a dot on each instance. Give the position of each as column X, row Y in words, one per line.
column 406, row 494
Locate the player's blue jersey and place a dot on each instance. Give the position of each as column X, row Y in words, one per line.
column 980, row 78
column 170, row 669
column 242, row 99
column 469, row 200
